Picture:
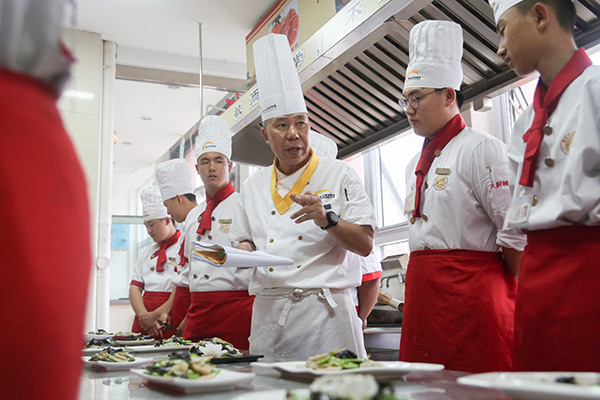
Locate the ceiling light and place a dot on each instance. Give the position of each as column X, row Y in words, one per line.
column 78, row 95
column 115, row 137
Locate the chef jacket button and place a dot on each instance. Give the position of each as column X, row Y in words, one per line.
column 426, row 185
column 178, row 272
column 271, row 240
column 209, row 237
column 151, row 268
column 212, row 218
column 273, row 212
column 547, row 130
column 271, row 269
column 206, row 276
column 426, row 247
column 195, row 276
column 425, row 217
column 298, row 266
column 412, row 220
column 535, row 201
column 437, row 153
column 549, row 161
column 300, row 238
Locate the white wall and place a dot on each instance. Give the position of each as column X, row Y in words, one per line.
column 82, row 120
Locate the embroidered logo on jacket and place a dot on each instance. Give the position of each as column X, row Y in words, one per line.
column 565, row 143
column 325, row 194
column 440, row 182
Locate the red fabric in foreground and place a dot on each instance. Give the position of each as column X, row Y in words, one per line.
column 181, row 303
column 557, row 314
column 224, row 314
column 45, row 236
column 459, row 310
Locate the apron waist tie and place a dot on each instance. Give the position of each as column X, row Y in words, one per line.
column 298, row 295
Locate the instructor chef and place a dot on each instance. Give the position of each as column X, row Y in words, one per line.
column 302, row 207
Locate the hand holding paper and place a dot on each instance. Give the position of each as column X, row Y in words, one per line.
column 225, row 256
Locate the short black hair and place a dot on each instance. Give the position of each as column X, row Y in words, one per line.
column 564, row 9
column 190, row 196
column 460, row 98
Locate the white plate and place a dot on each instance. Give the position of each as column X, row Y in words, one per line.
column 115, row 366
column 390, row 369
column 224, row 381
column 154, row 349
column 134, row 342
column 90, row 336
column 272, row 394
column 536, row 385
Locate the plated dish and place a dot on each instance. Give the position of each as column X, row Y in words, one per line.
column 215, row 347
column 98, row 334
column 539, row 385
column 115, row 366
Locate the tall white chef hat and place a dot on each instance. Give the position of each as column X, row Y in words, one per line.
column 322, row 145
column 174, row 177
column 435, row 49
column 152, row 203
column 279, row 87
column 213, row 135
column 500, row 6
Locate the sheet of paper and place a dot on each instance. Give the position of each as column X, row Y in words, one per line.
column 225, row 256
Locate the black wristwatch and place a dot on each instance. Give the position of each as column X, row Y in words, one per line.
column 332, row 220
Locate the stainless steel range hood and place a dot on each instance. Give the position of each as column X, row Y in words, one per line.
column 352, row 90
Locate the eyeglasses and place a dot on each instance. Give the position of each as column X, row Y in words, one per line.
column 414, row 100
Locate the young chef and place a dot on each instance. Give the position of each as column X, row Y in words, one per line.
column 365, row 295
column 176, row 182
column 154, row 274
column 460, row 283
column 220, row 305
column 45, row 267
column 554, row 154
column 304, row 309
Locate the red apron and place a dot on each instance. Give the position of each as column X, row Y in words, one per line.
column 181, row 303
column 152, row 300
column 458, row 311
column 46, row 262
column 557, row 314
column 226, row 315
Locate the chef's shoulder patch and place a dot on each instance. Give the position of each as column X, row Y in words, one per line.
column 325, row 194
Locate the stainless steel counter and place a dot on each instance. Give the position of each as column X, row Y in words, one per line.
column 125, row 385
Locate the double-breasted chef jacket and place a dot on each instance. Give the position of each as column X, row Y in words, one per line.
column 557, row 317
column 306, row 308
column 221, row 305
column 157, row 285
column 459, row 296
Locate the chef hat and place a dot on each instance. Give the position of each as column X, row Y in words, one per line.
column 174, row 177
column 435, row 49
column 279, row 87
column 152, row 203
column 322, row 145
column 213, row 135
column 500, row 6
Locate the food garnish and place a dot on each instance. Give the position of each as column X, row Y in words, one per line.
column 95, row 343
column 346, row 387
column 339, row 360
column 113, row 354
column 215, row 347
column 99, row 332
column 129, row 336
column 173, row 341
column 183, row 365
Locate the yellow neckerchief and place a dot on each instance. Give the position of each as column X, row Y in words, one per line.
column 284, row 203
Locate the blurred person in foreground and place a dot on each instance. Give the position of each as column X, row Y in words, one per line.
column 45, row 268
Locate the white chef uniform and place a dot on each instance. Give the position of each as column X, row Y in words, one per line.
column 468, row 182
column 565, row 190
column 295, row 310
column 145, row 275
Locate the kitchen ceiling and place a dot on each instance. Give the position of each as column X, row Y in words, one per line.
column 354, row 102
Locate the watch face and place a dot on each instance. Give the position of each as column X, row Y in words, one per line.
column 332, row 218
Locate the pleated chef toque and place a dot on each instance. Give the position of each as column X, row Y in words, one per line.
column 174, row 177
column 279, row 87
column 152, row 203
column 435, row 49
column 322, row 145
column 213, row 135
column 500, row 6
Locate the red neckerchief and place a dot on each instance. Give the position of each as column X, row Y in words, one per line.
column 544, row 103
column 206, row 216
column 162, row 250
column 182, row 259
column 451, row 129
